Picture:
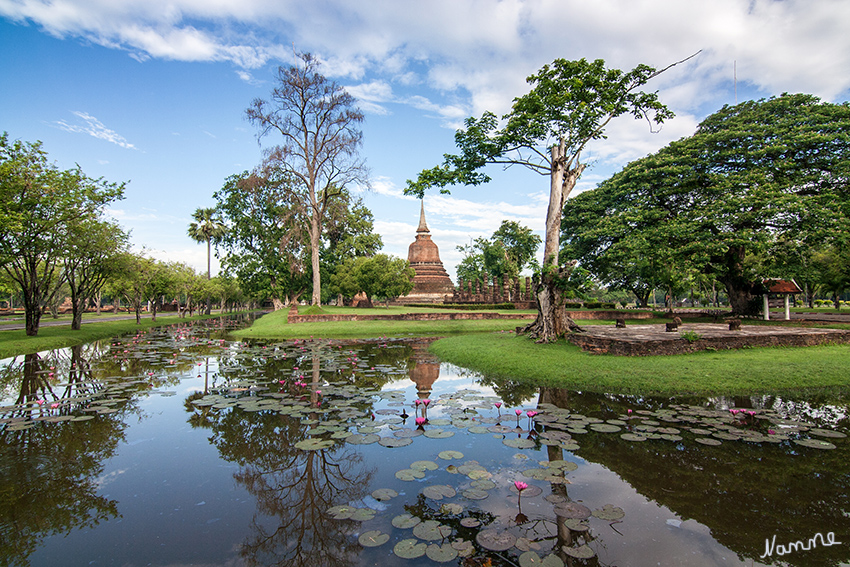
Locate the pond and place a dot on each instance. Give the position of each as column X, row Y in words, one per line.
column 178, row 446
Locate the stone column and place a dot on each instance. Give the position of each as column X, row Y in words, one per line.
column 766, row 308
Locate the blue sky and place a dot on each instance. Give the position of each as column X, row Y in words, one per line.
column 153, row 92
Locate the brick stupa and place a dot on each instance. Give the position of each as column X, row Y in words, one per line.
column 431, row 283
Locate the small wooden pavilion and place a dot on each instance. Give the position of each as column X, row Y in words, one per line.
column 779, row 290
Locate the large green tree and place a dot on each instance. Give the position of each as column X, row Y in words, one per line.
column 265, row 245
column 39, row 205
column 318, row 123
column 507, row 253
column 377, row 276
column 547, row 130
column 753, row 175
column 91, row 258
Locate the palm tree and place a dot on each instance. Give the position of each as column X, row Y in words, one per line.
column 208, row 227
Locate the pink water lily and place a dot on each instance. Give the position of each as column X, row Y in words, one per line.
column 498, row 405
column 520, row 485
column 518, row 412
column 420, row 420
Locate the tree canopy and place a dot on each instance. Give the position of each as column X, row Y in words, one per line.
column 377, row 276
column 318, row 123
column 507, row 253
column 569, row 106
column 39, row 207
column 753, row 175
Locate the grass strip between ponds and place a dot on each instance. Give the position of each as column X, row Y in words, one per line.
column 14, row 343
column 275, row 326
column 735, row 372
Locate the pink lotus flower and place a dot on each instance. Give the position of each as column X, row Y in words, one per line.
column 40, row 402
column 498, row 405
column 417, row 402
column 518, row 412
column 771, row 432
column 420, row 420
column 531, row 413
column 520, row 486
column 54, row 406
column 319, row 392
column 629, row 412
column 426, row 402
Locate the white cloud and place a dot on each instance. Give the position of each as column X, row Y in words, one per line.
column 94, row 127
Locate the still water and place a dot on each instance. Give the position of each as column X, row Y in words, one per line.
column 178, row 446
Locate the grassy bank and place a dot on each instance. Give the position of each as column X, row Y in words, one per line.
column 275, row 326
column 17, row 342
column 563, row 365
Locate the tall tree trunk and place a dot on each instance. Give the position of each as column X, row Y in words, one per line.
column 552, row 321
column 208, row 309
column 315, row 243
column 78, row 305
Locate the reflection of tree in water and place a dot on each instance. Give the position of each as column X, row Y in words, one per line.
column 49, row 472
column 294, row 488
column 744, row 492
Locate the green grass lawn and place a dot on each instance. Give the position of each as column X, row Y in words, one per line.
column 275, row 325
column 17, row 342
column 735, row 372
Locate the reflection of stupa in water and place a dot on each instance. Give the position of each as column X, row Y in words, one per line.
column 431, row 283
column 426, row 370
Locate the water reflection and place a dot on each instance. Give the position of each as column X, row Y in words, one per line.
column 744, row 492
column 49, row 475
column 308, row 426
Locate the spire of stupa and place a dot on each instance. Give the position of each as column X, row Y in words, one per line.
column 423, row 227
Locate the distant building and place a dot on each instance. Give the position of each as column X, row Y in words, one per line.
column 431, row 283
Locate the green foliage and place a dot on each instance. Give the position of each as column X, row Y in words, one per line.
column 377, row 276
column 715, row 203
column 507, row 253
column 465, row 306
column 265, row 244
column 690, row 336
column 39, row 207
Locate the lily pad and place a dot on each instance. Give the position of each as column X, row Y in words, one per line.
column 424, row 466
column 814, row 443
column 470, row 522
column 529, row 492
column 373, row 538
column 439, row 434
column 632, row 437
column 314, row 444
column 431, row 530
column 572, row 510
column 359, row 439
column 532, row 559
column 409, row 474
column 479, row 474
column 463, row 547
column 475, row 494
column 451, row 509
column 384, row 494
column 580, row 552
column 708, row 441
column 410, row 548
column 342, row 512
column 441, row 553
column 438, row 492
column 604, row 427
column 519, row 443
column 609, row 512
column 495, row 540
column 363, row 515
column 827, row 433
column 405, row 521
column 449, row 455
column 394, row 442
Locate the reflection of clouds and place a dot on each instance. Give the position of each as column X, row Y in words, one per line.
column 109, row 478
